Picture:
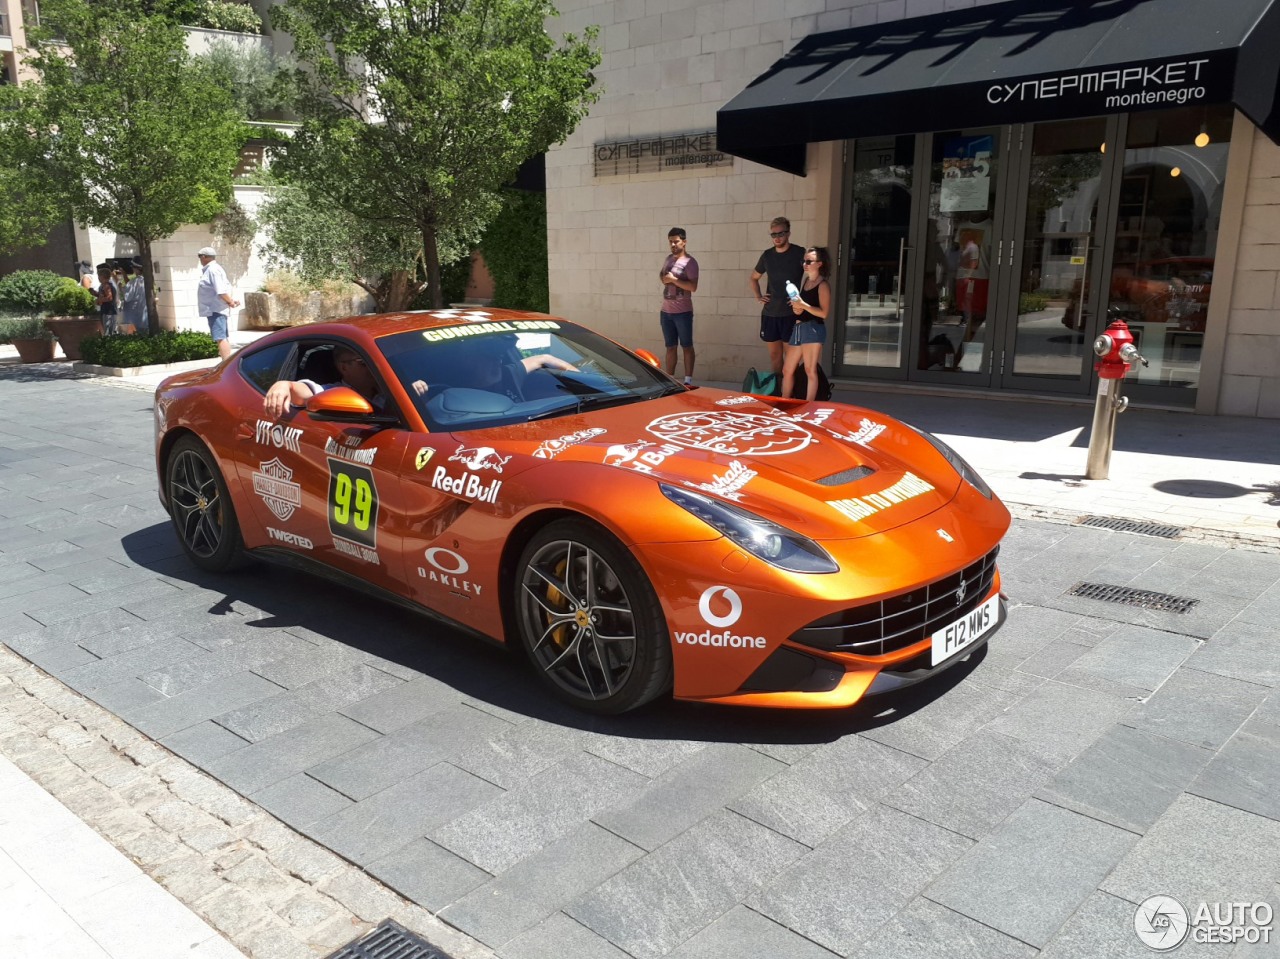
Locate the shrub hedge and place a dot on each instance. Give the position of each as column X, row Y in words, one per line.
column 167, row 346
column 69, row 298
column 28, row 291
column 23, row 328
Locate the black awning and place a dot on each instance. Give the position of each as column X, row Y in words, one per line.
column 1010, row 62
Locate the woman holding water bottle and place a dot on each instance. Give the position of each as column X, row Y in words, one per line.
column 810, row 302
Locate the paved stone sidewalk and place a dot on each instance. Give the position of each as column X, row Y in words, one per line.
column 272, row 892
column 1023, row 805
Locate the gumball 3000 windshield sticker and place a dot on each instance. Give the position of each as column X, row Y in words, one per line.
column 733, row 432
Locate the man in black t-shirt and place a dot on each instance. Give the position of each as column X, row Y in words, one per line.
column 781, row 262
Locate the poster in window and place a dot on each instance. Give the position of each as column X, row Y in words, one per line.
column 966, row 174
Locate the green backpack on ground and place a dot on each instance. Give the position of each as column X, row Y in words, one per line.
column 762, row 384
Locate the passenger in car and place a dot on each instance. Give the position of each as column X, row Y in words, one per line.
column 489, row 368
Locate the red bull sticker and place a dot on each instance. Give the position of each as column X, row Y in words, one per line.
column 480, row 458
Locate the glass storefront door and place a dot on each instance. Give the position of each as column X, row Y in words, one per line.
column 880, row 211
column 1164, row 240
column 958, row 250
column 1050, row 309
column 991, row 258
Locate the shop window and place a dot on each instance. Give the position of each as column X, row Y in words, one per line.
column 1166, row 236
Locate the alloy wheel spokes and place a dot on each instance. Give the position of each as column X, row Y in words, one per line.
column 570, row 595
column 194, row 495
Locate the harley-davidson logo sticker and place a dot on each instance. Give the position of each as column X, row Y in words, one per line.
column 732, row 432
column 273, row 483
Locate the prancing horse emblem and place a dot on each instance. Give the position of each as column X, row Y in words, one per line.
column 960, row 593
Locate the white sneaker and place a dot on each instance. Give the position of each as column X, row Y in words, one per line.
column 688, row 381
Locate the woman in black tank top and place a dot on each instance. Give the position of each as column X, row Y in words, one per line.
column 810, row 332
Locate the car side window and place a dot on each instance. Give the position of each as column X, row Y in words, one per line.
column 263, row 367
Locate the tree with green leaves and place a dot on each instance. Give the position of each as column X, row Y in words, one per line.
column 317, row 241
column 29, row 205
column 121, row 128
column 416, row 112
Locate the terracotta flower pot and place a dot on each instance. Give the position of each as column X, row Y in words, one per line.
column 34, row 350
column 70, row 330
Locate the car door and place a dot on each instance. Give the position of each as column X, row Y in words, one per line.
column 326, row 490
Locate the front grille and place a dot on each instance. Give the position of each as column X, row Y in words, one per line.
column 894, row 623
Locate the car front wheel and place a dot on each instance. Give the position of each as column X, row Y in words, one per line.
column 202, row 513
column 589, row 619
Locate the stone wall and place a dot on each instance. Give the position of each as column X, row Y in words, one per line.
column 1251, row 366
column 668, row 65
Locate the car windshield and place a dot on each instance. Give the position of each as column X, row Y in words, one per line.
column 477, row 375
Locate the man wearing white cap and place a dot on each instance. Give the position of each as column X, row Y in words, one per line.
column 213, row 296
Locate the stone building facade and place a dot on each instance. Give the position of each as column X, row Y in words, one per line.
column 1174, row 229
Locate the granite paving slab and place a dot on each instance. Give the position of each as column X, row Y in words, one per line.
column 497, row 835
column 880, row 861
column 821, row 792
column 1200, row 851
column 1245, row 774
column 541, row 885
column 1029, row 876
column 975, row 785
column 378, row 826
column 699, row 787
column 926, row 930
column 1203, row 709
column 1128, row 778
column 658, row 902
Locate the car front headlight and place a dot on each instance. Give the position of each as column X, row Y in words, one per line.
column 776, row 545
column 967, row 472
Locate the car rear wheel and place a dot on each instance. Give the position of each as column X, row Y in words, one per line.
column 589, row 619
column 201, row 510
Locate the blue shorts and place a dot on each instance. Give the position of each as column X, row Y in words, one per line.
column 217, row 326
column 809, row 331
column 677, row 327
column 776, row 329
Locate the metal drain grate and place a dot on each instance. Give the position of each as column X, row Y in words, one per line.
column 389, row 941
column 1129, row 596
column 1130, row 526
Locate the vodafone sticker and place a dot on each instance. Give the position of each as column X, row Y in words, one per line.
column 729, row 602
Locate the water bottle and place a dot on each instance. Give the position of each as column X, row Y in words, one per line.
column 792, row 291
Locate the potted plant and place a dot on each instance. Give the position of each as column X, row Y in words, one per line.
column 29, row 335
column 72, row 316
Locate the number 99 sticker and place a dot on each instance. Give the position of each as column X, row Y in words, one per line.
column 353, row 503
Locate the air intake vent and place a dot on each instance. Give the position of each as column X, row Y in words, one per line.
column 1129, row 526
column 1128, row 596
column 846, row 476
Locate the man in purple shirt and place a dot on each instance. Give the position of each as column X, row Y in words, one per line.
column 679, row 277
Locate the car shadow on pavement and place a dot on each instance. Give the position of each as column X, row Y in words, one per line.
column 348, row 627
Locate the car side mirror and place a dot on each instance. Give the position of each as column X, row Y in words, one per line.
column 648, row 358
column 341, row 403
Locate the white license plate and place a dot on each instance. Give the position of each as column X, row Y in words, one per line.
column 966, row 630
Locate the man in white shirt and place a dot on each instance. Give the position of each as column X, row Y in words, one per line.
column 213, row 296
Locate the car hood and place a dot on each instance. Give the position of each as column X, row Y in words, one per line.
column 824, row 469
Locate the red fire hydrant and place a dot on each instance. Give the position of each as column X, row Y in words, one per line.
column 1116, row 355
